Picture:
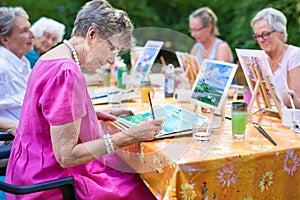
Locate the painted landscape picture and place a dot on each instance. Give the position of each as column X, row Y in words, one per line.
column 145, row 61
column 212, row 83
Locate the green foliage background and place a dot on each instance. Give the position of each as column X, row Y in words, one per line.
column 234, row 15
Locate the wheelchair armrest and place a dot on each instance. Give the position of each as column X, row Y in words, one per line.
column 4, row 136
column 65, row 184
column 5, row 151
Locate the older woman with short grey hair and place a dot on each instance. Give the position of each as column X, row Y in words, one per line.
column 270, row 32
column 8, row 16
column 16, row 39
column 58, row 134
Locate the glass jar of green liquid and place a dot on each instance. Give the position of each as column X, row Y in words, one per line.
column 239, row 119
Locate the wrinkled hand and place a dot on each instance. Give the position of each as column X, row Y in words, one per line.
column 12, row 130
column 112, row 114
column 290, row 97
column 145, row 130
column 8, row 126
column 120, row 112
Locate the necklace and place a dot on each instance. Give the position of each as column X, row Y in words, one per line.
column 73, row 51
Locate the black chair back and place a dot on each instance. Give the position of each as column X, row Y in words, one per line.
column 66, row 185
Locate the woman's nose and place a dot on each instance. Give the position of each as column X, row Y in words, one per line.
column 111, row 60
column 31, row 34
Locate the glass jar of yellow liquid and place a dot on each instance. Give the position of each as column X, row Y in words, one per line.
column 145, row 89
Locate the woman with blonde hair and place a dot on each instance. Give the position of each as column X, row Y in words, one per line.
column 203, row 28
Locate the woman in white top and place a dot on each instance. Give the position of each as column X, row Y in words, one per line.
column 269, row 27
column 203, row 28
column 16, row 39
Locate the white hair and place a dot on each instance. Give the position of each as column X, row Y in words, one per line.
column 48, row 25
column 275, row 18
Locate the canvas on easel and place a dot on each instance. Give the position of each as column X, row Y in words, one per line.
column 258, row 75
column 144, row 63
column 211, row 86
column 189, row 65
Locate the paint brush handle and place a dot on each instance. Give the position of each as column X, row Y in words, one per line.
column 152, row 111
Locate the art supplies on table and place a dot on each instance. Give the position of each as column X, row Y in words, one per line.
column 99, row 95
column 177, row 121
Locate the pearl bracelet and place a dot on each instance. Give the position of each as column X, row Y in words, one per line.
column 108, row 144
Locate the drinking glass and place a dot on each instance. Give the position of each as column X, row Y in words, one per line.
column 200, row 132
column 239, row 119
column 145, row 89
column 114, row 98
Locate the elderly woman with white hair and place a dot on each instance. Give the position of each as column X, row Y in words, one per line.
column 48, row 33
column 269, row 27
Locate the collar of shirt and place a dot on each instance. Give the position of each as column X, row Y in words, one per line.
column 21, row 65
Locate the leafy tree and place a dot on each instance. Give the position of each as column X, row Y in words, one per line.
column 234, row 16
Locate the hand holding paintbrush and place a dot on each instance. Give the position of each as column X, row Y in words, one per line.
column 291, row 94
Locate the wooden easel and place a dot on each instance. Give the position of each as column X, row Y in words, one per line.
column 190, row 71
column 262, row 86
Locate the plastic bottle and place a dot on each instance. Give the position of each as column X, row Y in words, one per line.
column 114, row 74
column 122, row 74
column 106, row 78
column 170, row 81
column 115, row 67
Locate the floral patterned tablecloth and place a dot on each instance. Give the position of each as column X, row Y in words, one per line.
column 224, row 168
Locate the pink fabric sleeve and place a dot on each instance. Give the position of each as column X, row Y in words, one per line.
column 292, row 59
column 293, row 62
column 61, row 100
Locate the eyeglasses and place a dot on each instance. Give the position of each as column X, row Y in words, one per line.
column 113, row 49
column 264, row 36
column 197, row 30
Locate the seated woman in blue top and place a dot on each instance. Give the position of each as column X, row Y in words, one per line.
column 47, row 33
column 203, row 28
